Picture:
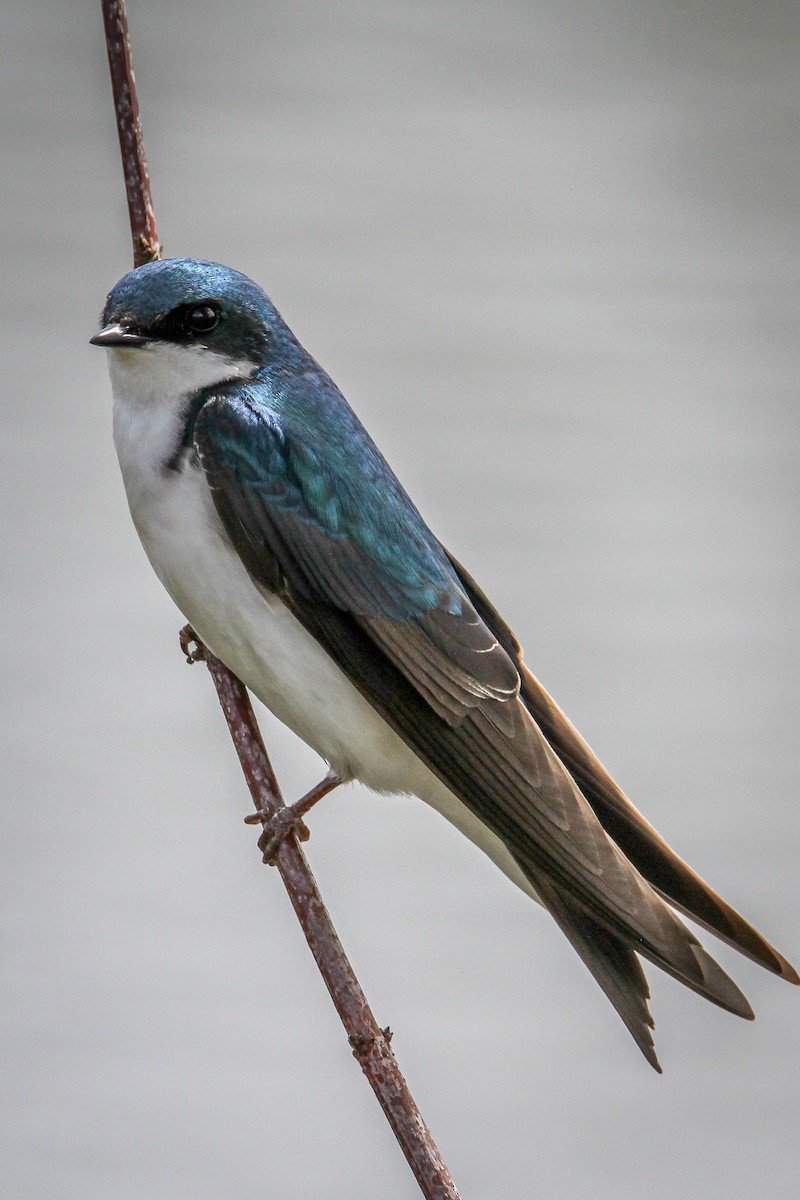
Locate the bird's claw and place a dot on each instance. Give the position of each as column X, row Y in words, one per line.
column 191, row 645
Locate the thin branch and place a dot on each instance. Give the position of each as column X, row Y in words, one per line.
column 146, row 246
column 370, row 1044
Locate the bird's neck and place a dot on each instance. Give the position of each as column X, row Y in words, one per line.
column 153, row 389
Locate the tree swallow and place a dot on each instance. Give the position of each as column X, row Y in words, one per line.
column 284, row 538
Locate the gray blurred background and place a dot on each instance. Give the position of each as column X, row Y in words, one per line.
column 550, row 253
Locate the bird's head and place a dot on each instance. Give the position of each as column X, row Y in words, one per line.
column 189, row 317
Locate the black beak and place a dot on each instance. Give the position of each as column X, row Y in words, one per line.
column 118, row 335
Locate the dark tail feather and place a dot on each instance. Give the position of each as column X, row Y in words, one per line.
column 613, row 964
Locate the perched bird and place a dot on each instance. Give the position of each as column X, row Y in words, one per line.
column 283, row 536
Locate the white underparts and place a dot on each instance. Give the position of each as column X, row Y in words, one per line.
column 252, row 632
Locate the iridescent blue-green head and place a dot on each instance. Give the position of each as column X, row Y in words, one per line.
column 192, row 303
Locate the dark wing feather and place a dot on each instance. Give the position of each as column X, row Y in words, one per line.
column 445, row 677
column 638, row 840
column 517, row 787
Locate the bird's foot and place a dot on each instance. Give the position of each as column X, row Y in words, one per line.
column 278, row 825
column 276, row 829
column 191, row 645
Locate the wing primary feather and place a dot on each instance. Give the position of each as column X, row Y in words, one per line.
column 664, row 870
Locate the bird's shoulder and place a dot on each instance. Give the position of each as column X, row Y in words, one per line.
column 311, row 464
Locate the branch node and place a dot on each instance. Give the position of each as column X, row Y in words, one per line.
column 361, row 1044
column 146, row 251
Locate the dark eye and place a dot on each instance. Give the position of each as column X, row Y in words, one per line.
column 202, row 318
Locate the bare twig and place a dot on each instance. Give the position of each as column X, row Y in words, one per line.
column 370, row 1044
column 146, row 246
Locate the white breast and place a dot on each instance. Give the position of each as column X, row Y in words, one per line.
column 252, row 632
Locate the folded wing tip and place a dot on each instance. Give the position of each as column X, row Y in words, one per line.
column 785, row 970
column 716, row 985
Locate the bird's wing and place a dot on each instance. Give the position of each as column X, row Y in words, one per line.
column 299, row 529
column 427, row 662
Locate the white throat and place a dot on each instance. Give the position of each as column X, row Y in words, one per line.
column 151, row 386
column 161, row 371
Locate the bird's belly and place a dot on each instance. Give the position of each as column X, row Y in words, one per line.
column 260, row 640
column 256, row 635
